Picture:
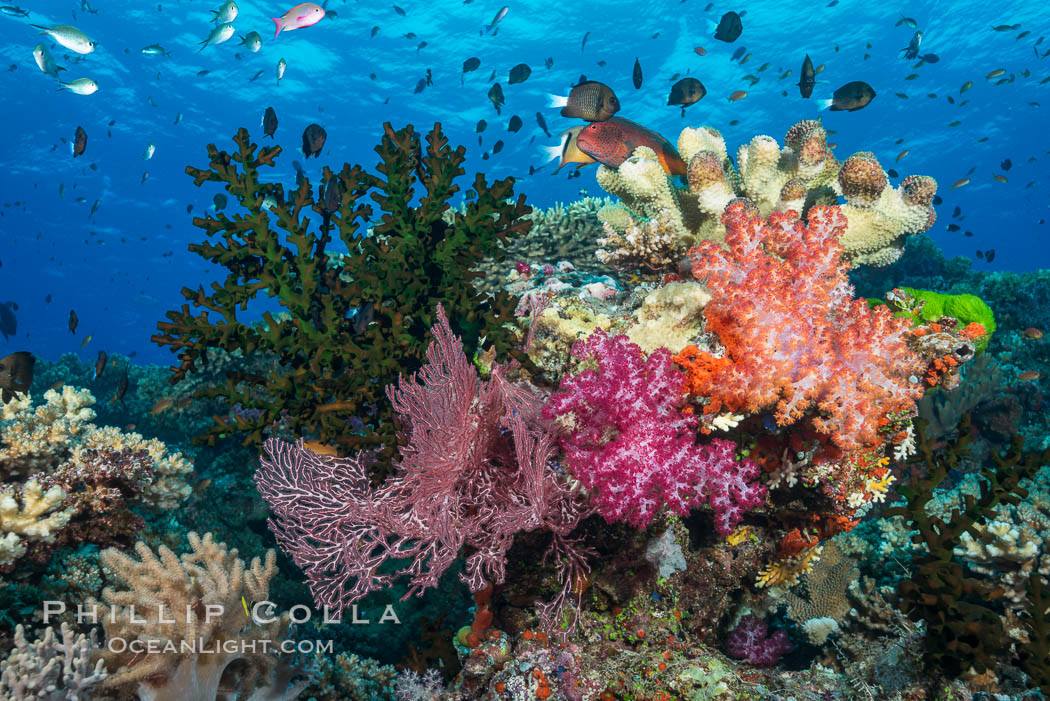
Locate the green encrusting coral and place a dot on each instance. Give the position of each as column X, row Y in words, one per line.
column 353, row 320
column 963, row 625
column 930, row 306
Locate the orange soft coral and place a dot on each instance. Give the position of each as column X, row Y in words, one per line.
column 796, row 340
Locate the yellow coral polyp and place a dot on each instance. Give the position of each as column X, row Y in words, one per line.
column 741, row 534
column 786, row 572
column 877, row 487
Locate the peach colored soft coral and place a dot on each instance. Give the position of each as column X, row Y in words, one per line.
column 797, row 341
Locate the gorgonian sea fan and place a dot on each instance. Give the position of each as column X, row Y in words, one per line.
column 475, row 470
column 629, row 443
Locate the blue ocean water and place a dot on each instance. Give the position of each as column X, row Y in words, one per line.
column 122, row 267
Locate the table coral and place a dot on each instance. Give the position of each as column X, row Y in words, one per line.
column 798, row 176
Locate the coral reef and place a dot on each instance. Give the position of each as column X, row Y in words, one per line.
column 632, row 448
column 474, row 472
column 658, row 220
column 51, row 668
column 195, row 634
column 352, row 322
column 38, row 518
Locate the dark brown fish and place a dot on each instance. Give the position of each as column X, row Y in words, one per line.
column 79, row 142
column 1006, row 164
column 542, row 123
column 519, row 74
column 100, row 364
column 687, row 91
column 73, row 321
column 729, row 28
column 471, row 64
column 313, row 140
column 16, row 374
column 269, row 122
column 807, row 79
column 496, row 96
column 590, row 101
column 8, row 320
column 850, row 97
column 636, row 74
column 497, row 147
column 515, row 124
column 122, row 388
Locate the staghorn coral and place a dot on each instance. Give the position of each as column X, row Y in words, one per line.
column 187, row 615
column 52, row 668
column 38, row 518
column 802, row 174
column 353, row 323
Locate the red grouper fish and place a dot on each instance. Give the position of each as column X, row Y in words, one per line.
column 613, row 141
column 299, row 17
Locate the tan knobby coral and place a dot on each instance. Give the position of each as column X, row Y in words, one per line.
column 37, row 518
column 189, row 612
column 42, row 439
column 797, row 176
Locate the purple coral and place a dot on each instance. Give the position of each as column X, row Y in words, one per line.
column 629, row 443
column 749, row 640
column 474, row 471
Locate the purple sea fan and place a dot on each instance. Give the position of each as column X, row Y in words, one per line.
column 474, row 471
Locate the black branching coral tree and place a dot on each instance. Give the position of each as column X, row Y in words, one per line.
column 358, row 265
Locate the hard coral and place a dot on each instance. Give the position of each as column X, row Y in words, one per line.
column 802, row 174
column 354, row 320
column 629, row 443
column 796, row 339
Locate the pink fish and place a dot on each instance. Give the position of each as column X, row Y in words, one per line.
column 306, row 15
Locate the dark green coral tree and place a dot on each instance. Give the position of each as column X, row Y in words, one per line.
column 355, row 318
column 963, row 625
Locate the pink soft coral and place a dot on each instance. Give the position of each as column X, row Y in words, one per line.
column 749, row 641
column 632, row 447
column 784, row 310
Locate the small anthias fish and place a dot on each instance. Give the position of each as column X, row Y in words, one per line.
column 313, row 140
column 122, row 388
column 807, row 78
column 68, row 36
column 282, row 66
column 493, row 27
column 636, row 74
column 567, row 151
column 154, row 50
column 729, row 28
column 590, row 101
column 911, row 51
column 73, row 321
column 13, row 11
column 269, row 122
column 299, row 17
column 687, row 91
column 79, row 142
column 227, row 12
column 217, row 36
column 80, row 86
column 850, row 97
column 252, row 41
column 612, row 142
column 45, row 62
